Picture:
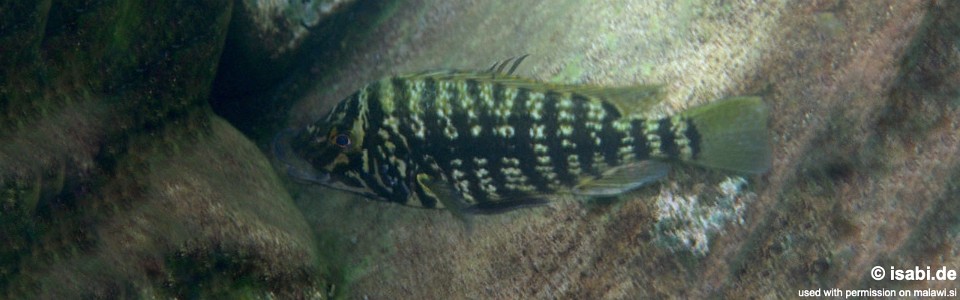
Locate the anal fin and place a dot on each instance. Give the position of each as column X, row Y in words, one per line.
column 445, row 194
column 502, row 206
column 458, row 206
column 622, row 179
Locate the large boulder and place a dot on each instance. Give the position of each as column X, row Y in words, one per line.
column 267, row 41
column 116, row 180
column 864, row 120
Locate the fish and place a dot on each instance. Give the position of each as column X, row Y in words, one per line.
column 481, row 142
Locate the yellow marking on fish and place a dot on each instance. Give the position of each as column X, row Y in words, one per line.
column 476, row 130
column 679, row 127
column 595, row 111
column 566, row 130
column 650, row 128
column 573, row 162
column 536, row 132
column 416, row 125
column 366, row 161
column 625, row 152
column 451, row 133
column 414, row 92
column 598, row 161
column 390, row 146
column 543, row 160
column 401, row 166
column 444, row 98
column 506, row 106
column 540, row 149
column 466, row 101
column 386, row 96
column 479, row 161
column 505, row 131
column 535, row 105
column 486, row 95
column 565, row 106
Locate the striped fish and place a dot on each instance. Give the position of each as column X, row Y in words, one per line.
column 486, row 142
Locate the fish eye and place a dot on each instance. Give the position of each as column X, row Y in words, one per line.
column 342, row 140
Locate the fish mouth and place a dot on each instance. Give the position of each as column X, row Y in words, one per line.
column 301, row 170
column 325, row 179
column 293, row 165
column 328, row 181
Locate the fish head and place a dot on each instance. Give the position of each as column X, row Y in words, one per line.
column 334, row 151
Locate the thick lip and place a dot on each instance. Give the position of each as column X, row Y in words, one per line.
column 294, row 166
column 302, row 171
column 308, row 175
column 324, row 179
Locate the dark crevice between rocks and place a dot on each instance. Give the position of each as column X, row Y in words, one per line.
column 255, row 94
column 926, row 88
column 150, row 65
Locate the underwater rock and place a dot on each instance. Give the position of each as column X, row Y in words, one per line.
column 266, row 42
column 210, row 221
column 270, row 30
column 865, row 151
column 116, row 180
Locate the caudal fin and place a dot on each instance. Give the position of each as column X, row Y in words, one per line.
column 733, row 135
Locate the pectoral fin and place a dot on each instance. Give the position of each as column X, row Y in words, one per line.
column 622, row 179
column 446, row 195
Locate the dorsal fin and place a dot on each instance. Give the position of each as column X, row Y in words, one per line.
column 497, row 67
column 630, row 100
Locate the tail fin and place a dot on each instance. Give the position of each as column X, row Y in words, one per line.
column 733, row 135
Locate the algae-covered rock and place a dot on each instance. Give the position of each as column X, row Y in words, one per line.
column 267, row 41
column 116, row 180
column 209, row 220
column 282, row 25
column 863, row 127
column 272, row 31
